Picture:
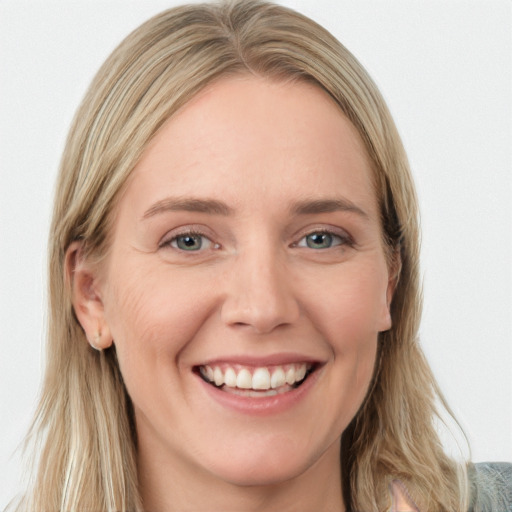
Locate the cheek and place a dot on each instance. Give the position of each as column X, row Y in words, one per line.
column 152, row 317
column 349, row 309
column 348, row 314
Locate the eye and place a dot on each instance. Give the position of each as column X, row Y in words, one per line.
column 321, row 240
column 189, row 242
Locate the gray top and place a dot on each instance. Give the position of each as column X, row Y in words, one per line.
column 491, row 486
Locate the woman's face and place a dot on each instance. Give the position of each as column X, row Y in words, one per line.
column 247, row 252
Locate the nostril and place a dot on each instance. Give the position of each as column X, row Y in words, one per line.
column 261, row 303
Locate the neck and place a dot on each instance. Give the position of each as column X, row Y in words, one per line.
column 172, row 485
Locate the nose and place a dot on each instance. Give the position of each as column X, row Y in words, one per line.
column 259, row 293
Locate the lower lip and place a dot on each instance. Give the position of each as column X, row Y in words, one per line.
column 264, row 405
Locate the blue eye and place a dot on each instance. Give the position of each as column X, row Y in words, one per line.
column 320, row 240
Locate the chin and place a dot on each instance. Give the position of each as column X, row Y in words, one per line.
column 274, row 462
column 260, row 474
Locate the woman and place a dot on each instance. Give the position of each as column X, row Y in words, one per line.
column 234, row 283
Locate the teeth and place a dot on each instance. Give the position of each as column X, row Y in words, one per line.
column 244, row 379
column 218, row 376
column 300, row 373
column 261, row 379
column 290, row 376
column 230, row 378
column 278, row 378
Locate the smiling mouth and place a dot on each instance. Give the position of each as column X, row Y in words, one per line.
column 260, row 381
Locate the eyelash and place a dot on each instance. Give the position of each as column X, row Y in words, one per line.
column 344, row 239
column 169, row 242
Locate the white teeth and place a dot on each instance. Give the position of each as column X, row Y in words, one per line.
column 278, row 378
column 244, row 379
column 218, row 376
column 230, row 378
column 262, row 379
column 300, row 373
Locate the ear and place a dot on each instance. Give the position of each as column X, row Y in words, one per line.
column 86, row 297
column 395, row 268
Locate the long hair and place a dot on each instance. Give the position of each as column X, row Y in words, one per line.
column 84, row 424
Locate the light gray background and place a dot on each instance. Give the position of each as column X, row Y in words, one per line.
column 445, row 69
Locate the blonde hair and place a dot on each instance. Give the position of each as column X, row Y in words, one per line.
column 84, row 423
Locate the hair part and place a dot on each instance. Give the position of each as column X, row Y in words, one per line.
column 154, row 72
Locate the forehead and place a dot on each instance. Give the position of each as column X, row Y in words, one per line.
column 246, row 135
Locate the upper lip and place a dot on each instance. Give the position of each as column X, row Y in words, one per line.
column 259, row 361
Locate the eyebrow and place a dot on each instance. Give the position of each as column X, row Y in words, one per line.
column 327, row 206
column 215, row 207
column 174, row 204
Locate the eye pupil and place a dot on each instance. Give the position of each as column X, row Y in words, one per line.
column 319, row 240
column 189, row 242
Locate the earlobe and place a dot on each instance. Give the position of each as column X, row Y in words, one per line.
column 86, row 297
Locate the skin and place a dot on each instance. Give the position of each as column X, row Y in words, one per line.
column 255, row 288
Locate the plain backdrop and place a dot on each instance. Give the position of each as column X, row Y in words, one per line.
column 444, row 68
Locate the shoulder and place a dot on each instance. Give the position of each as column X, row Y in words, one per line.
column 491, row 487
